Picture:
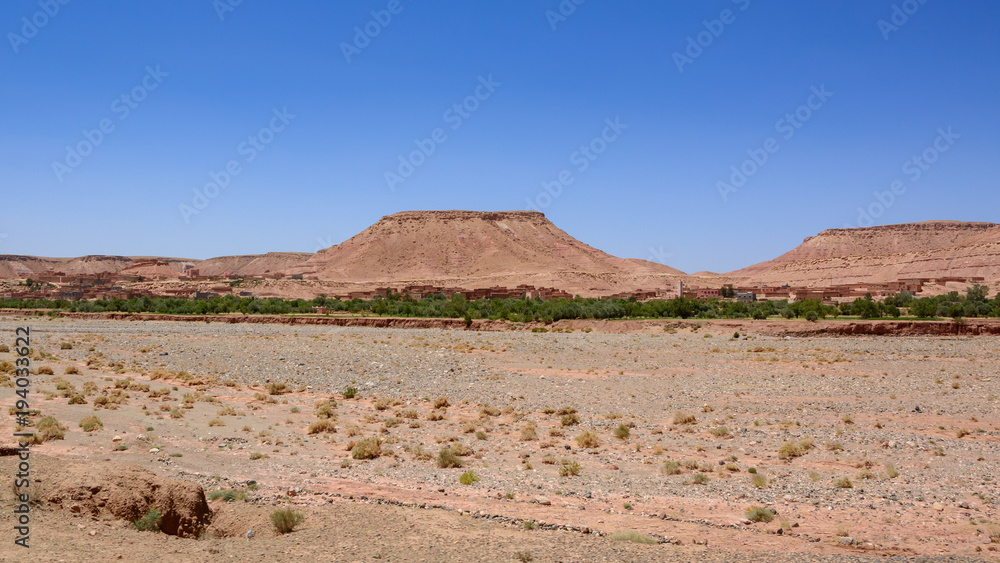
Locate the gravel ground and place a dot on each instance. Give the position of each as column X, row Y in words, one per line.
column 925, row 407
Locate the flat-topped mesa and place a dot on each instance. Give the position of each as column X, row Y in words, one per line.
column 477, row 247
column 930, row 249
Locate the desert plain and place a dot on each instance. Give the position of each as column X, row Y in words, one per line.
column 591, row 441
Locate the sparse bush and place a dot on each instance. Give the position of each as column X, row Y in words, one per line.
column 588, row 440
column 481, row 435
column 150, row 522
column 323, row 426
column 699, row 479
column 490, row 411
column 671, row 468
column 441, row 403
column 285, row 520
column 760, row 514
column 45, row 370
column 216, row 422
column 791, row 450
column 72, row 370
column 277, row 389
column 682, row 418
column 528, row 433
column 468, row 478
column 367, row 448
column 350, row 392
column 447, row 459
column 570, row 419
column 568, row 468
column 77, row 399
column 891, row 471
column 48, row 428
column 622, row 432
column 65, row 346
column 758, row 481
column 176, row 413
column 254, row 456
column 843, row 483
column 720, row 432
column 91, row 423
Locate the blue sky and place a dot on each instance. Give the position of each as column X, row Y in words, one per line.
column 313, row 105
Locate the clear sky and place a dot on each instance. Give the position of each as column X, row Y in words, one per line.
column 329, row 115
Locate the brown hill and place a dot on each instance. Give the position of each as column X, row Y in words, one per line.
column 932, row 249
column 252, row 264
column 475, row 249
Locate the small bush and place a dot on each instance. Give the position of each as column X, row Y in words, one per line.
column 682, row 418
column 760, row 514
column 790, row 450
column 45, row 370
column 699, row 479
column 286, row 520
column 91, row 423
column 891, row 471
column 50, row 429
column 671, row 468
column 150, row 522
column 441, row 403
column 490, row 411
column 72, row 370
column 481, row 435
column 350, row 392
column 622, row 432
column 367, row 448
column 633, row 536
column 568, row 468
column 570, row 419
column 447, row 459
column 254, row 456
column 65, row 346
column 216, row 422
column 528, row 434
column 468, row 478
column 843, row 483
column 77, row 400
column 720, row 432
column 758, row 481
column 277, row 389
column 588, row 440
column 325, row 426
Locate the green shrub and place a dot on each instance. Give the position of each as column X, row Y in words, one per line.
column 793, row 449
column 324, row 425
column 447, row 459
column 150, row 522
column 671, row 468
column 286, row 520
column 588, row 440
column 760, row 514
column 568, row 468
column 350, row 392
column 622, row 432
column 468, row 478
column 91, row 423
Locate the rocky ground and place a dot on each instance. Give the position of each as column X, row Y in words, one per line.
column 854, row 446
